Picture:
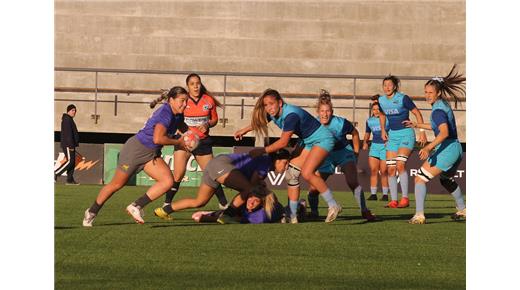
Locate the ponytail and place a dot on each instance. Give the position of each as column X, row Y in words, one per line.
column 164, row 96
column 167, row 94
column 450, row 86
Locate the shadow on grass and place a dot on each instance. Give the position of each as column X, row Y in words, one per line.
column 194, row 224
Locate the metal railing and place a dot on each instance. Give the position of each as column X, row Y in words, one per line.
column 225, row 94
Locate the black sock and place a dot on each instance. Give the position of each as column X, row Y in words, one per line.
column 95, row 207
column 219, row 193
column 168, row 208
column 231, row 210
column 171, row 193
column 142, row 201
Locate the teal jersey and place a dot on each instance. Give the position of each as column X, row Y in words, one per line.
column 296, row 119
column 374, row 126
column 397, row 109
column 340, row 128
column 442, row 113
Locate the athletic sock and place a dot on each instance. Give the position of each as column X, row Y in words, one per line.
column 360, row 198
column 231, row 210
column 168, row 208
column 95, row 207
column 385, row 190
column 327, row 196
column 392, row 183
column 403, row 179
column 219, row 193
column 420, row 196
column 373, row 190
column 314, row 201
column 171, row 192
column 142, row 201
column 293, row 206
column 459, row 199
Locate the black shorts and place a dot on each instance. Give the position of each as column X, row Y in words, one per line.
column 204, row 148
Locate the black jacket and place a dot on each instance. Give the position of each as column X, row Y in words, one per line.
column 69, row 132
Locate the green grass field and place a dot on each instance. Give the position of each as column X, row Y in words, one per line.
column 181, row 254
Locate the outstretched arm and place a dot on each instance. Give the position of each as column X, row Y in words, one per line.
column 241, row 132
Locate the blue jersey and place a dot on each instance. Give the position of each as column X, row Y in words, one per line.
column 374, row 126
column 296, row 119
column 396, row 109
column 340, row 127
column 442, row 114
column 248, row 165
column 165, row 116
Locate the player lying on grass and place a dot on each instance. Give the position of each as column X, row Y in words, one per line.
column 143, row 152
column 447, row 149
column 342, row 155
column 239, row 171
column 261, row 206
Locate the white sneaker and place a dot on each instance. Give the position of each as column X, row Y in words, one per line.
column 333, row 213
column 88, row 218
column 135, row 213
column 223, row 207
column 418, row 219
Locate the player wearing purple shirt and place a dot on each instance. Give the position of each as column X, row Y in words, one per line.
column 261, row 206
column 237, row 171
column 141, row 152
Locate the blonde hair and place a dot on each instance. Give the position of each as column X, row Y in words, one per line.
column 268, row 198
column 269, row 202
column 259, row 116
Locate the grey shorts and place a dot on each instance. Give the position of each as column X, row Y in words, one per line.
column 134, row 155
column 216, row 167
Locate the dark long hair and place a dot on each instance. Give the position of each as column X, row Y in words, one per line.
column 451, row 86
column 203, row 90
column 167, row 94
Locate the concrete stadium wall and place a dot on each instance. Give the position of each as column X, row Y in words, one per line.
column 405, row 38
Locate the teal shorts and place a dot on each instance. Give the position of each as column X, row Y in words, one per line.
column 378, row 150
column 322, row 137
column 446, row 155
column 337, row 158
column 404, row 138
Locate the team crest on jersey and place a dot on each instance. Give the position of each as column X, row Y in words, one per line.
column 206, row 107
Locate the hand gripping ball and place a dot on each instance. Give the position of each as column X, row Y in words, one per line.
column 191, row 140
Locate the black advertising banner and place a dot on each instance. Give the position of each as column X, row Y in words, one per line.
column 87, row 171
column 337, row 180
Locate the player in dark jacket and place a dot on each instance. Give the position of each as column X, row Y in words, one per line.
column 69, row 142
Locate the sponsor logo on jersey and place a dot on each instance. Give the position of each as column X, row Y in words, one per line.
column 392, row 111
